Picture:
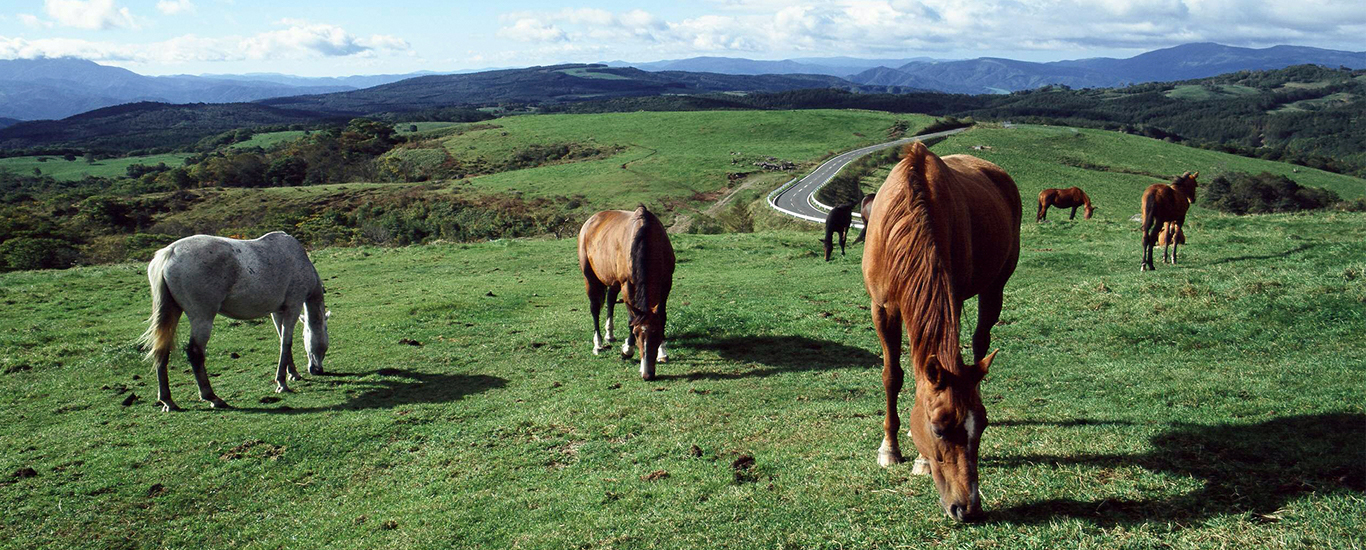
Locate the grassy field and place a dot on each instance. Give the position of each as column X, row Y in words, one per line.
column 692, row 157
column 77, row 169
column 267, row 140
column 1218, row 403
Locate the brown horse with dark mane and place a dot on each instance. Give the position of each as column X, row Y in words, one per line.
column 626, row 250
column 941, row 231
column 1072, row 197
column 1165, row 204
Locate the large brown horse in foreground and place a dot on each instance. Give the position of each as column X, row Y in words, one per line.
column 1164, row 211
column 941, row 231
column 1072, row 197
column 629, row 250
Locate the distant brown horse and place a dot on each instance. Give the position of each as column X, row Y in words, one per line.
column 941, row 231
column 1072, row 197
column 620, row 249
column 1165, row 204
column 865, row 210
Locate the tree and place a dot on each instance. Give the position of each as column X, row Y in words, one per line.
column 287, row 171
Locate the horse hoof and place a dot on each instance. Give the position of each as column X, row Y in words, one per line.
column 597, row 350
column 294, row 377
column 219, row 404
column 921, row 466
column 168, row 406
column 283, row 389
column 888, row 459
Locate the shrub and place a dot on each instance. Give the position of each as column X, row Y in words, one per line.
column 1242, row 193
column 25, row 253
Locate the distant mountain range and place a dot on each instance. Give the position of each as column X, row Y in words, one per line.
column 1190, row 61
column 45, row 88
column 995, row 75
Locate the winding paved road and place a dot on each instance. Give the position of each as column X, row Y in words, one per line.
column 797, row 198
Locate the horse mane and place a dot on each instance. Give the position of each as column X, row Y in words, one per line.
column 918, row 263
column 640, row 258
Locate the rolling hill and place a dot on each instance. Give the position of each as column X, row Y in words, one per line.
column 149, row 125
column 556, row 83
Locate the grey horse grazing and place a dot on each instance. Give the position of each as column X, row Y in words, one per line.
column 204, row 276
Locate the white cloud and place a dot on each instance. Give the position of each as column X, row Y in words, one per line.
column 175, row 7
column 531, row 30
column 89, row 14
column 33, row 21
column 298, row 40
column 770, row 28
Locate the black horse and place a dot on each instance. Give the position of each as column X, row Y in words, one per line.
column 837, row 222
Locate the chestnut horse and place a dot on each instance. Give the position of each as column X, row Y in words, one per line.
column 837, row 223
column 865, row 209
column 941, row 231
column 1165, row 204
column 1072, row 197
column 620, row 249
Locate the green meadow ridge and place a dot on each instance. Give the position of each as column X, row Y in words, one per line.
column 1214, row 403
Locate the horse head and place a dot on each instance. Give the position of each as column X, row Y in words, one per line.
column 315, row 335
column 1089, row 210
column 647, row 328
column 946, row 425
column 1186, row 184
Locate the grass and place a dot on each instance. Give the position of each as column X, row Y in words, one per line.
column 64, row 170
column 404, row 128
column 585, row 72
column 692, row 157
column 267, row 140
column 1197, row 92
column 1217, row 403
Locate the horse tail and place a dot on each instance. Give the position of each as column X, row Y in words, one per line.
column 160, row 335
column 862, row 232
column 1149, row 207
column 640, row 259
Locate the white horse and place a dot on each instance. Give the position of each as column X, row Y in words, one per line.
column 204, row 276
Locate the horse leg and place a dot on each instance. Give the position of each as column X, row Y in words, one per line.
column 1073, row 216
column 286, row 363
column 279, row 320
column 612, row 292
column 200, row 330
column 160, row 361
column 888, row 325
column 843, row 235
column 988, row 313
column 596, row 291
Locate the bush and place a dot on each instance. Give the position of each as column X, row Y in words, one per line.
column 26, row 253
column 1242, row 193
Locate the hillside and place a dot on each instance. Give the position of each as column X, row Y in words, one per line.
column 56, row 88
column 539, row 85
column 149, row 125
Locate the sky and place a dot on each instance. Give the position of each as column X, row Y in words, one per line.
column 347, row 37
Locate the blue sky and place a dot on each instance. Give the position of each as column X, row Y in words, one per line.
column 343, row 37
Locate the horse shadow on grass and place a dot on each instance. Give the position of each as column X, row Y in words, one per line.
column 1248, row 468
column 397, row 387
column 773, row 354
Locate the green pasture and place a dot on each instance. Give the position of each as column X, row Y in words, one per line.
column 266, row 140
column 1218, row 403
column 667, row 155
column 1199, row 92
column 64, row 170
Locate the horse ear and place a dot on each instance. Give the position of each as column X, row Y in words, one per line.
column 934, row 373
column 985, row 363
